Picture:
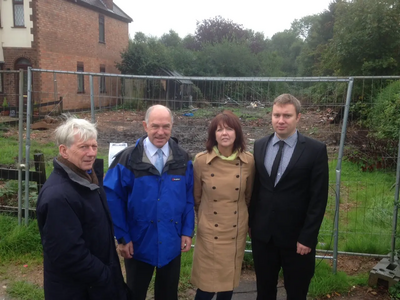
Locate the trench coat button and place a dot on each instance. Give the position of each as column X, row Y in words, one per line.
column 237, row 176
column 160, row 242
column 237, row 164
column 215, row 200
column 234, row 225
column 158, row 221
column 215, row 212
column 216, row 225
column 233, row 238
column 216, row 238
column 158, row 199
column 171, row 220
column 214, row 187
column 236, row 189
column 176, row 222
column 235, row 212
column 151, row 221
column 212, row 175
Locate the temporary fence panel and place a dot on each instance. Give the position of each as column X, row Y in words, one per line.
column 360, row 213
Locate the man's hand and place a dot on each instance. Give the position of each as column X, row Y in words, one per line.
column 302, row 250
column 186, row 243
column 126, row 251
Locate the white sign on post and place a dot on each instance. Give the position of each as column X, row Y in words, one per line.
column 114, row 149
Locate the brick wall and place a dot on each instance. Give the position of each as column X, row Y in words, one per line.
column 68, row 33
column 10, row 81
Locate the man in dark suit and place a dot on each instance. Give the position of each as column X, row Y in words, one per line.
column 288, row 203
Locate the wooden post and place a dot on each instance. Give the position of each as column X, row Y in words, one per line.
column 40, row 167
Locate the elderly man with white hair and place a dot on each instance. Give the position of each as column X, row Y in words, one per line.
column 80, row 259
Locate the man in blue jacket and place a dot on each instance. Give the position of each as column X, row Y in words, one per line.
column 149, row 190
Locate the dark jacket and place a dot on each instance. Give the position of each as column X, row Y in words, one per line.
column 150, row 209
column 293, row 210
column 80, row 260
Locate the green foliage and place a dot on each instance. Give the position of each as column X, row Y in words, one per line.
column 17, row 242
column 186, row 270
column 144, row 56
column 366, row 38
column 5, row 103
column 288, row 45
column 325, row 282
column 23, row 290
column 215, row 30
column 394, row 291
column 385, row 113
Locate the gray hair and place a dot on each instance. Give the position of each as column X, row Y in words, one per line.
column 288, row 99
column 150, row 109
column 65, row 133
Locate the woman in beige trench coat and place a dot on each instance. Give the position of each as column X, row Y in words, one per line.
column 223, row 181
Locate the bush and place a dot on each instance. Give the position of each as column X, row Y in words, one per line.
column 385, row 113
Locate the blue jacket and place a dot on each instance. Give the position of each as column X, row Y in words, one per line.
column 151, row 210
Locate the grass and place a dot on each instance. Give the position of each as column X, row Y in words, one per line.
column 23, row 290
column 325, row 282
column 366, row 210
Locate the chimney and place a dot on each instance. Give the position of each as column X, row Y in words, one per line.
column 109, row 4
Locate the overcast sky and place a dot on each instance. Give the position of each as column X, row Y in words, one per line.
column 155, row 17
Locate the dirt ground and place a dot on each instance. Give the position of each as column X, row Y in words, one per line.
column 191, row 131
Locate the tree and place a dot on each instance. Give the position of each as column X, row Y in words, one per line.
column 288, row 45
column 318, row 32
column 144, row 56
column 171, row 39
column 366, row 38
column 218, row 29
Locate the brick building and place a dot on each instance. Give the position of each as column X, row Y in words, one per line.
column 67, row 35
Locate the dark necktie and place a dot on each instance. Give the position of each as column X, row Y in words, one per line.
column 277, row 161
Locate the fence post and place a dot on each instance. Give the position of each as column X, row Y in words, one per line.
column 20, row 139
column 396, row 205
column 92, row 99
column 28, row 143
column 338, row 174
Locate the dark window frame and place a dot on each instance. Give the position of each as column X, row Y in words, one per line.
column 81, row 78
column 21, row 4
column 102, row 29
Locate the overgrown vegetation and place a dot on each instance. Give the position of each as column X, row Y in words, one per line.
column 366, row 211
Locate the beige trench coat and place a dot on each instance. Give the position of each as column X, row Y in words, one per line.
column 222, row 191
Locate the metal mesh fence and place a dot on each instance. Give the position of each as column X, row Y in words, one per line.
column 335, row 111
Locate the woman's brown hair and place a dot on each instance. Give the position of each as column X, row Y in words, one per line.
column 231, row 120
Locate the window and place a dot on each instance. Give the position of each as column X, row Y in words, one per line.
column 18, row 6
column 102, row 34
column 102, row 79
column 81, row 81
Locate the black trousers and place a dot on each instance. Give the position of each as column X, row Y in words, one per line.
column 202, row 295
column 298, row 270
column 139, row 274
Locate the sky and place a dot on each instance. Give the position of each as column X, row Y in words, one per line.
column 155, row 17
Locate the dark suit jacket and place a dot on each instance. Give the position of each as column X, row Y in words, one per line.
column 293, row 210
